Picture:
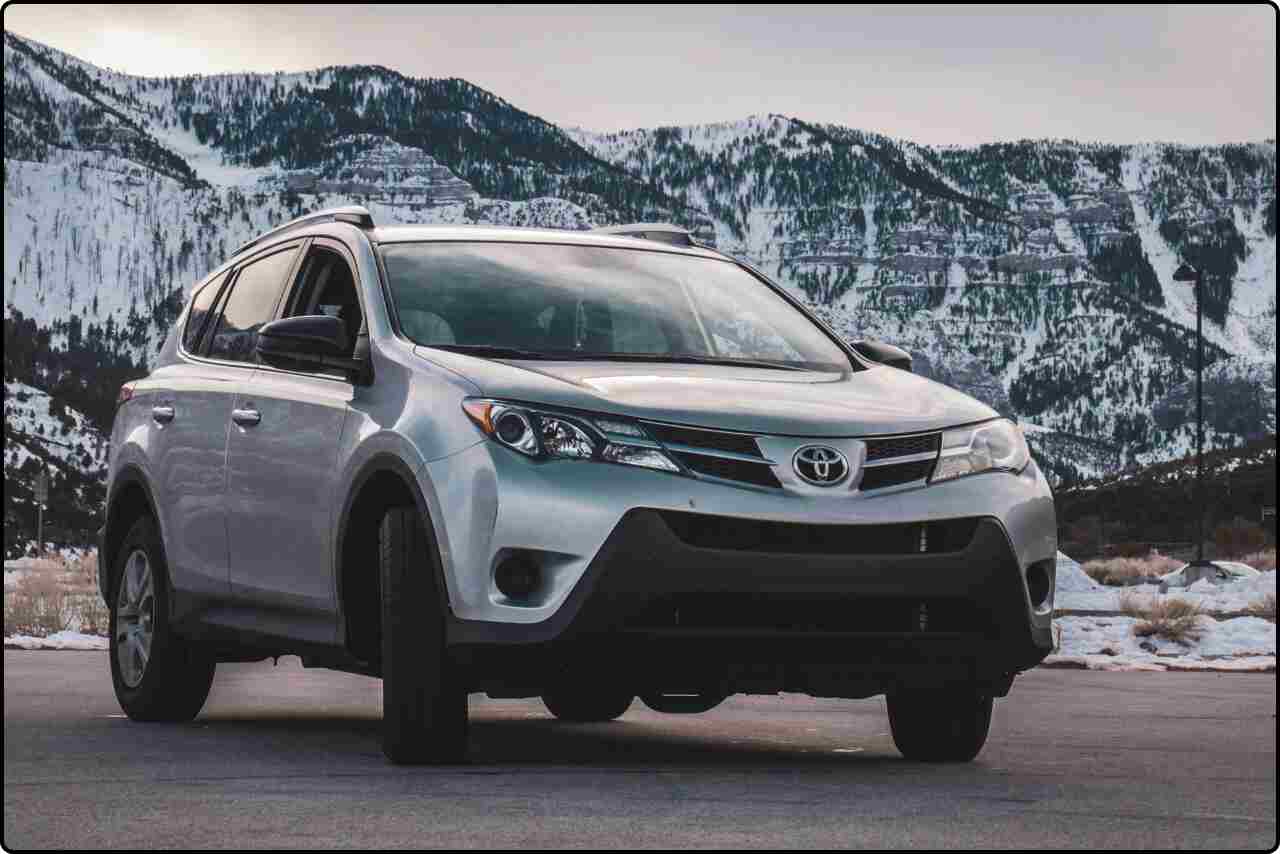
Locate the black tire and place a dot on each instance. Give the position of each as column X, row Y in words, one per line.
column 587, row 707
column 175, row 678
column 683, row 704
column 940, row 726
column 424, row 700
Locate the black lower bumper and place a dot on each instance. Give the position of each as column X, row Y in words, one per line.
column 665, row 594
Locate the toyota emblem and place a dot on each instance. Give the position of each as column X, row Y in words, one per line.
column 820, row 465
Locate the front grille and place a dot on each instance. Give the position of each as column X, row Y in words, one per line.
column 756, row 474
column 732, row 456
column 712, row 453
column 749, row 535
column 712, row 440
column 895, row 475
column 807, row 613
column 881, row 471
column 902, row 446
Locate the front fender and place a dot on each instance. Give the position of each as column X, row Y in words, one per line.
column 386, row 451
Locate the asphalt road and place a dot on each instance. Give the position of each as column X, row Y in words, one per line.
column 283, row 756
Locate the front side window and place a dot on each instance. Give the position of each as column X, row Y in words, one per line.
column 326, row 285
column 254, row 296
column 587, row 302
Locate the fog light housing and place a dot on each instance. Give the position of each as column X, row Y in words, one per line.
column 517, row 576
column 1040, row 583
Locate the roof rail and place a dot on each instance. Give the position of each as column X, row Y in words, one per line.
column 357, row 215
column 663, row 232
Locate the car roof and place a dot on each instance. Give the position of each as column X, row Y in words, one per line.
column 386, row 234
column 339, row 220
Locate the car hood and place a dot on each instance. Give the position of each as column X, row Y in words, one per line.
column 758, row 400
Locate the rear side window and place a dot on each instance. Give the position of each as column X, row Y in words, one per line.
column 199, row 313
column 254, row 296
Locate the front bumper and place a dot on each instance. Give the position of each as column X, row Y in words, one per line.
column 613, row 561
column 649, row 583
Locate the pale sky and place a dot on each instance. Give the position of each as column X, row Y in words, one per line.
column 942, row 75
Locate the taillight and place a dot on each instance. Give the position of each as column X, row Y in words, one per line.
column 125, row 395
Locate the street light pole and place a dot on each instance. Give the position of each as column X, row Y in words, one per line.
column 1199, row 419
column 41, row 494
column 1187, row 273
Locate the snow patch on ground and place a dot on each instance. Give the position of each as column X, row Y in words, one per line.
column 1071, row 578
column 1222, row 599
column 57, row 640
column 1108, row 643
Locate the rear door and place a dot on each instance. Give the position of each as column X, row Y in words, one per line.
column 282, row 455
column 187, row 413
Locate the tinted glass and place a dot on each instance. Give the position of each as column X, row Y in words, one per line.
column 254, row 295
column 596, row 302
column 325, row 285
column 200, row 305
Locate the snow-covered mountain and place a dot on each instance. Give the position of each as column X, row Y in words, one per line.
column 1036, row 275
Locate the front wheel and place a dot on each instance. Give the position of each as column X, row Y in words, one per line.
column 424, row 701
column 157, row 675
column 940, row 726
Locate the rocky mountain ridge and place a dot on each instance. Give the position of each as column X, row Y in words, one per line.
column 1036, row 275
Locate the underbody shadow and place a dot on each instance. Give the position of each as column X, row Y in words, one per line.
column 644, row 743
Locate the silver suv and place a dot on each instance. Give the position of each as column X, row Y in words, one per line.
column 574, row 466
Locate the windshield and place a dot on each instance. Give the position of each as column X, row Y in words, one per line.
column 530, row 300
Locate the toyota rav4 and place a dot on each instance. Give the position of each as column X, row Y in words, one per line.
column 577, row 466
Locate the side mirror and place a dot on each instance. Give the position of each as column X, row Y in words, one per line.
column 309, row 338
column 885, row 354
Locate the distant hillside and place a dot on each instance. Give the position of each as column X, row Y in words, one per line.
column 1158, row 503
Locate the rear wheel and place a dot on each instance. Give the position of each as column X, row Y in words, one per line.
column 949, row 725
column 424, row 700
column 683, row 704
column 157, row 675
column 587, row 706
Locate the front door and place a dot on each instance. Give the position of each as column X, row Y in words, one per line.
column 282, row 453
column 281, row 473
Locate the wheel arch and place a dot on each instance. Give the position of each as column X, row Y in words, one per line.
column 384, row 480
column 130, row 498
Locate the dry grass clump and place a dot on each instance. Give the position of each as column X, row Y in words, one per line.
column 1122, row 571
column 55, row 596
column 1177, row 620
column 36, row 605
column 1264, row 607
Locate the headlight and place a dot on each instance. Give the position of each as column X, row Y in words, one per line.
column 558, row 436
column 993, row 446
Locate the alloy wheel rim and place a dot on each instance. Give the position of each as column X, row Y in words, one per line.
column 135, row 618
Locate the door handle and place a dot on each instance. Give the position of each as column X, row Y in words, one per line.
column 162, row 414
column 246, row 417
